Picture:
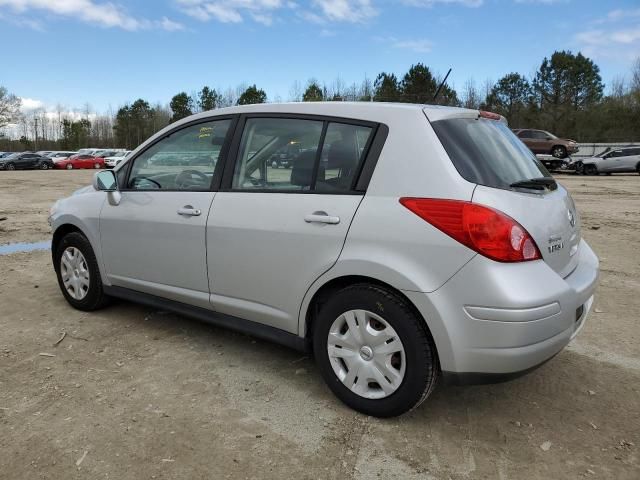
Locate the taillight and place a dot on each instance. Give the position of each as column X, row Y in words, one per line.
column 490, row 115
column 487, row 231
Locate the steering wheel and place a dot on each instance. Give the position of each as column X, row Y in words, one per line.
column 136, row 180
column 185, row 179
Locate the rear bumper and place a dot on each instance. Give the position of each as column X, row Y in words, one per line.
column 493, row 321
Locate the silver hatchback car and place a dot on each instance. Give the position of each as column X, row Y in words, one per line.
column 405, row 243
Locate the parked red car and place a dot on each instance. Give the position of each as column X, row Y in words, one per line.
column 81, row 161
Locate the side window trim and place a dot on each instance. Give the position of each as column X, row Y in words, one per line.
column 215, row 182
column 371, row 153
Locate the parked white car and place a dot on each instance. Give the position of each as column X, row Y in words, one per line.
column 618, row 160
column 406, row 242
column 112, row 162
column 59, row 156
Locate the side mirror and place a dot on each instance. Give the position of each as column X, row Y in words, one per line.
column 105, row 181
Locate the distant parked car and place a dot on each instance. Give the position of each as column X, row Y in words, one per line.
column 115, row 160
column 59, row 156
column 542, row 142
column 44, row 153
column 25, row 161
column 619, row 160
column 80, row 161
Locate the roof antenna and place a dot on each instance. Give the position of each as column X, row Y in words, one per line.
column 441, row 85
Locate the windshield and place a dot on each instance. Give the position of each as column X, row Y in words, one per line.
column 486, row 152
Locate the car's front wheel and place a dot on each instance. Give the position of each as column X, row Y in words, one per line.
column 374, row 351
column 69, row 166
column 78, row 273
column 96, row 166
column 10, row 166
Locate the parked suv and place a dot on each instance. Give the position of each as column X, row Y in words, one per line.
column 619, row 160
column 542, row 142
column 429, row 243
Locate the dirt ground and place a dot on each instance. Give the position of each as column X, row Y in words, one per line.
column 133, row 393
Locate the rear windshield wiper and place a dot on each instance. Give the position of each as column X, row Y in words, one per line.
column 539, row 183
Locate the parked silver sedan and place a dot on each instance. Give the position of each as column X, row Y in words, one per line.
column 620, row 160
column 407, row 243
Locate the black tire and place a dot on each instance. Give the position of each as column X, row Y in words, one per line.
column 421, row 369
column 638, row 168
column 10, row 166
column 559, row 151
column 44, row 166
column 95, row 297
column 590, row 169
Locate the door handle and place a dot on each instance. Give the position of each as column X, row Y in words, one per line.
column 189, row 211
column 321, row 217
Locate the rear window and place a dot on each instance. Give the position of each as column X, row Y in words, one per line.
column 486, row 152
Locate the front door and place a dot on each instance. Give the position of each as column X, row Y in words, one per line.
column 153, row 241
column 272, row 231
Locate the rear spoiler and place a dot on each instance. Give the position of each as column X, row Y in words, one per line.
column 435, row 113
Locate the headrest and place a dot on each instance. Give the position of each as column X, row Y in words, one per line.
column 302, row 169
column 342, row 155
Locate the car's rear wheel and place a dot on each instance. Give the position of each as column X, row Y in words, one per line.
column 69, row 166
column 78, row 272
column 590, row 170
column 44, row 166
column 559, row 151
column 374, row 351
column 96, row 166
column 10, row 166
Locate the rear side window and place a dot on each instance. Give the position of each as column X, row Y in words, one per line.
column 486, row 152
column 300, row 155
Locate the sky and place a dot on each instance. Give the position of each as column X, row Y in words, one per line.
column 107, row 53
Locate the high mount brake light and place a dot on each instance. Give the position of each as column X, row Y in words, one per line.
column 487, row 231
column 490, row 115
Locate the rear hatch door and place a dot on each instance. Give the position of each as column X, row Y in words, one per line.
column 487, row 153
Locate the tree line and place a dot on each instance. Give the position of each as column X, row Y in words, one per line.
column 565, row 96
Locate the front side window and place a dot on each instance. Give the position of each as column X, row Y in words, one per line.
column 185, row 160
column 300, row 155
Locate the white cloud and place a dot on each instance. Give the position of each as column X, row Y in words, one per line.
column 431, row 3
column 30, row 104
column 232, row 11
column 619, row 40
column 107, row 15
column 352, row 11
column 417, row 45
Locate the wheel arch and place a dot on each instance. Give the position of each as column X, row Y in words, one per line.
column 323, row 290
column 70, row 224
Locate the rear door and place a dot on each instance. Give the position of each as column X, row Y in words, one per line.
column 629, row 160
column 487, row 153
column 272, row 232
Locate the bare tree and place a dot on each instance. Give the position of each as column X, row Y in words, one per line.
column 9, row 107
column 470, row 95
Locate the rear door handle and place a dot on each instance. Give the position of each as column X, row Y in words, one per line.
column 189, row 211
column 321, row 217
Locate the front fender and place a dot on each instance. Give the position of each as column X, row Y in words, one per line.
column 82, row 212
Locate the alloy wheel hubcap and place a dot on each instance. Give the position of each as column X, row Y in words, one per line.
column 366, row 354
column 75, row 273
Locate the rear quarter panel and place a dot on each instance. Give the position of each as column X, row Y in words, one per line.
column 386, row 241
